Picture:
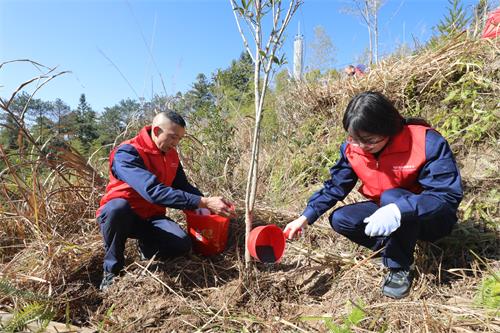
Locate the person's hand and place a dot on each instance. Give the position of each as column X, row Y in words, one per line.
column 384, row 221
column 218, row 205
column 295, row 227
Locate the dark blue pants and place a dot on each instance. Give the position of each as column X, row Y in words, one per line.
column 157, row 235
column 400, row 245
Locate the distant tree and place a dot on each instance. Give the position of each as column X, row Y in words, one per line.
column 61, row 124
column 455, row 21
column 43, row 126
column 157, row 104
column 60, row 111
column 43, row 129
column 241, row 73
column 313, row 76
column 234, row 84
column 29, row 112
column 402, row 50
column 201, row 90
column 364, row 57
column 332, row 74
column 115, row 119
column 200, row 98
column 323, row 52
column 368, row 11
column 281, row 81
column 86, row 126
column 9, row 132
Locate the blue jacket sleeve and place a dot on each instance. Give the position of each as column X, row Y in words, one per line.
column 180, row 182
column 440, row 180
column 129, row 167
column 343, row 179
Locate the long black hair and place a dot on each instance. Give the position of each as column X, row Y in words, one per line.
column 373, row 113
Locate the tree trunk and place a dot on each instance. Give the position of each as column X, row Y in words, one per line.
column 369, row 27
column 252, row 171
column 263, row 58
column 375, row 27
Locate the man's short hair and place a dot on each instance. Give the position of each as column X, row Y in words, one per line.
column 174, row 117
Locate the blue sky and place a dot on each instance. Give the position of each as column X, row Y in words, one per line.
column 178, row 39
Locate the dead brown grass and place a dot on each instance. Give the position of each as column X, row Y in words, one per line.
column 50, row 244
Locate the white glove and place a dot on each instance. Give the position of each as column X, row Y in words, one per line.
column 384, row 221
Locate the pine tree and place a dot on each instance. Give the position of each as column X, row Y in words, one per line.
column 114, row 120
column 455, row 21
column 86, row 124
column 323, row 51
column 200, row 98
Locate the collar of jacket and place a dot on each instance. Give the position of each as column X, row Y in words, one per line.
column 146, row 142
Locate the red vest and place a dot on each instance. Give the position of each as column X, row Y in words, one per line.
column 397, row 166
column 162, row 165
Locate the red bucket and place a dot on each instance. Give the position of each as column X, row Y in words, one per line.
column 208, row 232
column 266, row 243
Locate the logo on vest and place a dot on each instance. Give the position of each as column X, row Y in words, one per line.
column 403, row 167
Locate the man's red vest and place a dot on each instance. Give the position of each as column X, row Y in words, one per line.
column 162, row 165
column 397, row 166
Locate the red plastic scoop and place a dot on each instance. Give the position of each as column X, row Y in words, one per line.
column 266, row 243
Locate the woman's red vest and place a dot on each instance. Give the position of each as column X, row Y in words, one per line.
column 162, row 165
column 397, row 166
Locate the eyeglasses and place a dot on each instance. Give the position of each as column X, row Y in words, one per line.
column 366, row 142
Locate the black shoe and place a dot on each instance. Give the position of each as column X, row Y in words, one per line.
column 397, row 283
column 107, row 280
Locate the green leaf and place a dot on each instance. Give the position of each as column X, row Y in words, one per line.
column 451, row 96
column 24, row 315
column 356, row 316
column 330, row 324
column 282, row 59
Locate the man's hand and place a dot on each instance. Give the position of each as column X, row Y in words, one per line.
column 218, row 205
column 384, row 221
column 295, row 227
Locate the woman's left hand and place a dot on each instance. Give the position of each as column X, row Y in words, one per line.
column 295, row 227
column 384, row 221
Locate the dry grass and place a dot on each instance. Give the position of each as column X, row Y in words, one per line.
column 404, row 80
column 51, row 250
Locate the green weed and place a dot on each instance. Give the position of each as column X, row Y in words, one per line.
column 26, row 314
column 489, row 292
column 356, row 315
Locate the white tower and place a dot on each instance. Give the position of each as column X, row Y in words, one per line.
column 298, row 56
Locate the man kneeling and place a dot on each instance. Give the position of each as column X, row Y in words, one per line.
column 145, row 177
